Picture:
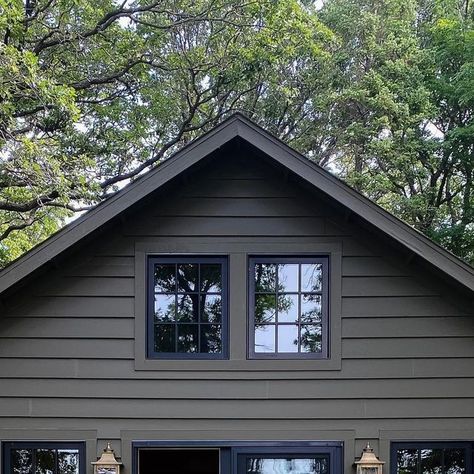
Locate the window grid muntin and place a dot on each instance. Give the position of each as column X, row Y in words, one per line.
column 153, row 261
column 323, row 293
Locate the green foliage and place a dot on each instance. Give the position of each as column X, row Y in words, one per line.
column 92, row 94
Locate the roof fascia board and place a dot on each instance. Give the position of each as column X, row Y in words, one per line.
column 131, row 194
column 372, row 213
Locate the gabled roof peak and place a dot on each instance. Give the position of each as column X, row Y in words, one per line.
column 237, row 125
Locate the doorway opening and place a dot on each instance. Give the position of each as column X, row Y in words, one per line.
column 178, row 461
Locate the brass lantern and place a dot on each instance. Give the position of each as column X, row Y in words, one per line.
column 107, row 464
column 369, row 463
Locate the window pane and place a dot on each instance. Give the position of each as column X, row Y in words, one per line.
column 431, row 461
column 287, row 308
column 288, row 277
column 165, row 278
column 287, row 466
column 211, row 308
column 211, row 278
column 407, row 461
column 165, row 336
column 68, row 461
column 188, row 337
column 265, row 308
column 211, row 337
column 22, row 461
column 287, row 338
column 265, row 338
column 454, row 461
column 187, row 309
column 311, row 338
column 187, row 277
column 311, row 309
column 265, row 277
column 44, row 461
column 165, row 307
column 311, row 277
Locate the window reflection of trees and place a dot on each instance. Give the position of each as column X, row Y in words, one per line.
column 288, row 293
column 431, row 461
column 188, row 293
column 287, row 466
column 44, row 461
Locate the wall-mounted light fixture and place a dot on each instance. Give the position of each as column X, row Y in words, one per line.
column 107, row 464
column 369, row 463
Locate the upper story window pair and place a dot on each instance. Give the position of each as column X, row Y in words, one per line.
column 188, row 307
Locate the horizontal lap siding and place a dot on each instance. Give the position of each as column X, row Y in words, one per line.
column 67, row 345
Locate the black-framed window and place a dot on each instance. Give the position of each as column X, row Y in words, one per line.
column 288, row 307
column 287, row 460
column 44, row 457
column 432, row 457
column 187, row 307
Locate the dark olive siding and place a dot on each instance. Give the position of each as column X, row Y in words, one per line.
column 67, row 339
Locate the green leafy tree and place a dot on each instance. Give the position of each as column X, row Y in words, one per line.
column 399, row 112
column 94, row 93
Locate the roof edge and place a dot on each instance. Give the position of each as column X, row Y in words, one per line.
column 237, row 125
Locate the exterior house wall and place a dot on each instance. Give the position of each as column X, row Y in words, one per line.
column 70, row 342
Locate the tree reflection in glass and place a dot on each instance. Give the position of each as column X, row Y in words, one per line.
column 407, row 461
column 187, row 338
column 311, row 338
column 188, row 295
column 211, row 308
column 311, row 277
column 288, row 307
column 165, row 307
column 431, row 460
column 22, row 461
column 44, row 461
column 68, row 461
column 454, row 461
column 287, row 466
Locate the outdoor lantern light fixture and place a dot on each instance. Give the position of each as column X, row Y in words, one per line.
column 369, row 463
column 107, row 464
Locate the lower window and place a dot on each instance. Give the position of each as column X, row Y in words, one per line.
column 278, row 464
column 432, row 458
column 43, row 458
column 288, row 461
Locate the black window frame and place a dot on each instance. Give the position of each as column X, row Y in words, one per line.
column 192, row 259
column 324, row 260
column 8, row 446
column 435, row 444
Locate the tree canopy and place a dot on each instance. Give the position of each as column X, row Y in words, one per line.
column 92, row 94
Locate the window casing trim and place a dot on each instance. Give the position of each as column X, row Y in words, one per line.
column 151, row 261
column 237, row 250
column 323, row 259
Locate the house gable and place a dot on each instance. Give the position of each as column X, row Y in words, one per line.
column 239, row 128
